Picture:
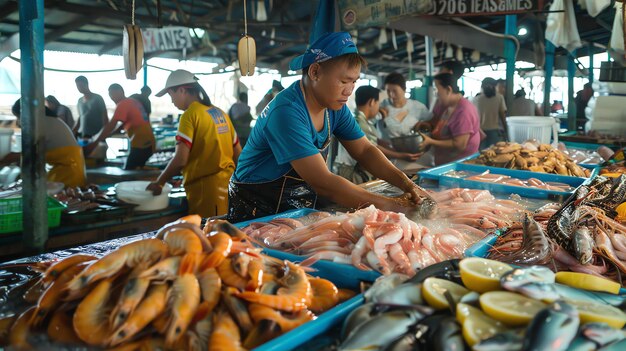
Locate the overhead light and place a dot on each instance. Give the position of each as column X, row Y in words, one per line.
column 522, row 31
column 197, row 31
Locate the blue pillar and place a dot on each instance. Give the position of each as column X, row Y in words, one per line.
column 549, row 69
column 571, row 104
column 145, row 71
column 509, row 55
column 430, row 67
column 590, row 63
column 35, row 212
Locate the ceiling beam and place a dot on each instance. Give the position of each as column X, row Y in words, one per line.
column 458, row 35
column 7, row 9
column 69, row 27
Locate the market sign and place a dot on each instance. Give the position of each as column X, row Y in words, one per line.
column 483, row 7
column 166, row 38
column 372, row 13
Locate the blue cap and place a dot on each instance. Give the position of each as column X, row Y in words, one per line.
column 326, row 47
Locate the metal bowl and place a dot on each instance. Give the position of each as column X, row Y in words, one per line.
column 408, row 143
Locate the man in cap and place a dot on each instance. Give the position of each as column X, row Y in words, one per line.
column 283, row 164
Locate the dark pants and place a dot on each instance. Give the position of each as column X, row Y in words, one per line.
column 492, row 136
column 137, row 157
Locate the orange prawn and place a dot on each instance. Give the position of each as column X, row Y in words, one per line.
column 55, row 270
column 163, row 270
column 60, row 328
column 34, row 292
column 184, row 299
column 90, row 321
column 202, row 324
column 132, row 293
column 20, row 330
column 229, row 275
column 181, row 241
column 345, row 294
column 210, row 287
column 54, row 293
column 293, row 296
column 145, row 251
column 226, row 335
column 286, row 321
column 149, row 308
column 255, row 272
column 189, row 223
column 324, row 296
column 222, row 244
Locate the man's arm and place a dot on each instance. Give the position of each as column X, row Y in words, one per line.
column 458, row 143
column 341, row 191
column 174, row 167
column 236, row 152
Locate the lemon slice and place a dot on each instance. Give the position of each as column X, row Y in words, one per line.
column 597, row 312
column 433, row 290
column 481, row 274
column 476, row 325
column 587, row 282
column 510, row 308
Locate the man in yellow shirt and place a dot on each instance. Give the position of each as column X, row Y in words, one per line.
column 207, row 147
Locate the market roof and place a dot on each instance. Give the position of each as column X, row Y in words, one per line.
column 95, row 26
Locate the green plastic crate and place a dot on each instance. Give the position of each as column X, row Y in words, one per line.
column 11, row 214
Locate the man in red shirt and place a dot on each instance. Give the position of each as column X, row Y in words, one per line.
column 134, row 119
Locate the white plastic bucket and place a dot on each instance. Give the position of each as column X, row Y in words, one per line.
column 5, row 141
column 526, row 127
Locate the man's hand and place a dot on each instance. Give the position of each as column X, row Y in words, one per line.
column 88, row 149
column 410, row 157
column 155, row 188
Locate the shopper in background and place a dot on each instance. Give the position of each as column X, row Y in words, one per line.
column 276, row 88
column 132, row 116
column 582, row 100
column 492, row 111
column 401, row 115
column 61, row 111
column 144, row 98
column 521, row 106
column 368, row 105
column 63, row 153
column 501, row 87
column 456, row 69
column 239, row 114
column 207, row 147
column 92, row 112
column 457, row 134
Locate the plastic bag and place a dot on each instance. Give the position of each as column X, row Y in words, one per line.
column 617, row 37
column 594, row 7
column 561, row 27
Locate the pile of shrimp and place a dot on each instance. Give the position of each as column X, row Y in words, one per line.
column 387, row 241
column 488, row 177
column 186, row 288
column 469, row 210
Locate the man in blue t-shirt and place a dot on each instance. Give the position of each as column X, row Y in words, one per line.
column 283, row 164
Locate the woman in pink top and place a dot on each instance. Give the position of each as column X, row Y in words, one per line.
column 457, row 134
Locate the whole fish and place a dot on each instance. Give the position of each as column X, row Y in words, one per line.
column 522, row 276
column 448, row 270
column 582, row 245
column 535, row 249
column 508, row 341
column 357, row 317
column 381, row 330
column 438, row 332
column 552, row 329
column 407, row 294
column 384, row 285
column 406, row 342
column 616, row 346
column 551, row 292
column 581, row 343
column 602, row 334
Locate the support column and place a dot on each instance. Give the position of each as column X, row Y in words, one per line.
column 549, row 69
column 145, row 71
column 35, row 209
column 430, row 68
column 571, row 103
column 509, row 55
column 591, row 63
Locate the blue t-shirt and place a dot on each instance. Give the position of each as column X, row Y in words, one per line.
column 284, row 132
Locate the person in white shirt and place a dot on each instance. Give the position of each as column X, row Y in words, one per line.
column 521, row 106
column 492, row 111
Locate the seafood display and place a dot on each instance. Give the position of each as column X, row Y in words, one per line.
column 582, row 156
column 184, row 288
column 77, row 199
column 390, row 242
column 582, row 235
column 488, row 177
column 529, row 156
column 442, row 310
